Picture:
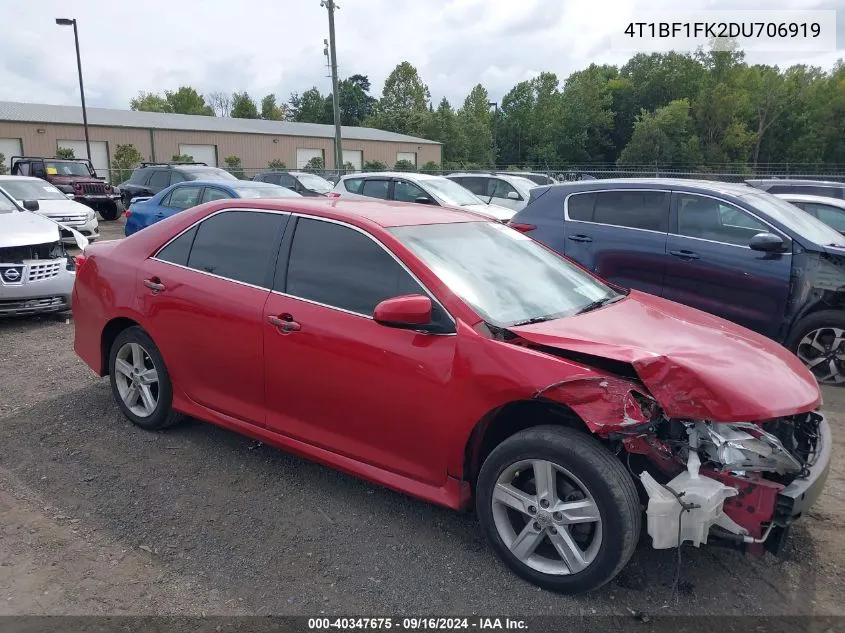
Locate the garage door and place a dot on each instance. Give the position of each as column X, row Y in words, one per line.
column 303, row 155
column 99, row 151
column 354, row 156
column 10, row 147
column 202, row 153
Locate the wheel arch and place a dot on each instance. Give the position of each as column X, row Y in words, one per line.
column 110, row 332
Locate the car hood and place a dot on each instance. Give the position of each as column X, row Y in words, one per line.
column 25, row 228
column 491, row 210
column 61, row 208
column 697, row 366
column 69, row 180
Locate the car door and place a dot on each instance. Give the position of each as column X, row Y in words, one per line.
column 504, row 194
column 203, row 297
column 406, row 191
column 711, row 267
column 337, row 379
column 620, row 235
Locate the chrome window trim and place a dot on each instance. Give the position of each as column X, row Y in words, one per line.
column 616, row 226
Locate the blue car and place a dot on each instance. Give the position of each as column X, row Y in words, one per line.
column 143, row 212
column 727, row 249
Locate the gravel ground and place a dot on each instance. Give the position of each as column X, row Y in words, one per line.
column 99, row 517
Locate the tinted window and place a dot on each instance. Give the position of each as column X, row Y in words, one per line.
column 375, row 188
column 212, row 193
column 238, row 245
column 478, row 186
column 832, row 216
column 501, row 189
column 340, row 267
column 580, row 206
column 285, row 180
column 183, row 198
column 353, row 185
column 633, row 209
column 175, row 177
column 178, row 250
column 160, row 179
column 405, row 191
column 810, row 190
column 710, row 219
column 139, row 176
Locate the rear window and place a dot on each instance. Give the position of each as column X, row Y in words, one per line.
column 353, row 185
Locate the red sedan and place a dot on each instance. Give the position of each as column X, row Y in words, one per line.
column 452, row 358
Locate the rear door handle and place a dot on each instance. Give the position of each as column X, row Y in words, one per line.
column 685, row 254
column 580, row 238
column 285, row 323
column 155, row 285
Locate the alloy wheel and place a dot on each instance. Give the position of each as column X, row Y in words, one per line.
column 546, row 517
column 136, row 378
column 823, row 352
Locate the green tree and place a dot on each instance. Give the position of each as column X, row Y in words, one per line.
column 276, row 163
column 271, row 111
column 586, row 116
column 475, row 123
column 403, row 106
column 3, row 169
column 187, row 100
column 442, row 125
column 233, row 166
column 64, row 152
column 356, row 104
column 374, row 165
column 126, row 158
column 149, row 102
column 663, row 137
column 404, row 165
column 182, row 158
column 315, row 164
column 310, row 107
column 243, row 107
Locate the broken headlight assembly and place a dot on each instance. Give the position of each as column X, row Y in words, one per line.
column 742, row 446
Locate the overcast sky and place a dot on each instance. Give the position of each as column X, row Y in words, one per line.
column 276, row 46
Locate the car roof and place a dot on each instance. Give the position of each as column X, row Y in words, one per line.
column 795, row 181
column 6, row 177
column 392, row 174
column 805, row 197
column 711, row 186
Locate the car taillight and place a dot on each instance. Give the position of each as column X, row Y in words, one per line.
column 521, row 227
column 127, row 213
column 333, row 194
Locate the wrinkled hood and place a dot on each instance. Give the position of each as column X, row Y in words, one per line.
column 24, row 228
column 491, row 210
column 696, row 365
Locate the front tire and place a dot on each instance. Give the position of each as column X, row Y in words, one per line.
column 559, row 508
column 139, row 380
column 819, row 342
column 109, row 211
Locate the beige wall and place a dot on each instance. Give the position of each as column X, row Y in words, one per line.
column 254, row 150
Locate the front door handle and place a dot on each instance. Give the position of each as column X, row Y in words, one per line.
column 580, row 238
column 685, row 254
column 155, row 285
column 284, row 323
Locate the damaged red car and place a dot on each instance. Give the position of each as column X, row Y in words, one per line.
column 456, row 360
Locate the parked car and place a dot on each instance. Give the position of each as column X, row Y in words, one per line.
column 507, row 191
column 452, row 358
column 421, row 188
column 36, row 195
column 831, row 211
column 36, row 271
column 302, row 182
column 151, row 178
column 728, row 249
column 536, row 177
column 146, row 211
column 824, row 188
column 75, row 177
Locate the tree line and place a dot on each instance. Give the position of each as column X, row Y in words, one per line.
column 704, row 111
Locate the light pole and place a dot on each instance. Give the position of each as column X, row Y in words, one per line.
column 338, row 150
column 69, row 22
column 494, row 104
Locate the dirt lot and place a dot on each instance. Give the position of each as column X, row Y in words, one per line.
column 99, row 517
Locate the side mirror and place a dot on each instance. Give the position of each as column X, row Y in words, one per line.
column 767, row 243
column 31, row 205
column 407, row 312
column 513, row 195
column 423, row 200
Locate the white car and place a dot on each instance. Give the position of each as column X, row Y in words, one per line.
column 831, row 211
column 36, row 271
column 421, row 188
column 43, row 198
column 505, row 190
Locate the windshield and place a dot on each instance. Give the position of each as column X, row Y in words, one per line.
column 66, row 168
column 796, row 219
column 209, row 173
column 270, row 191
column 451, row 192
column 315, row 183
column 32, row 190
column 6, row 205
column 505, row 276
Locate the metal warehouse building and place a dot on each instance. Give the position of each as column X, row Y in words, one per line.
column 32, row 129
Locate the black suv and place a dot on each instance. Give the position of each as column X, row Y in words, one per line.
column 825, row 188
column 150, row 178
column 302, row 182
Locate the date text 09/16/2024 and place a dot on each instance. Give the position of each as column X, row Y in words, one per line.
column 418, row 623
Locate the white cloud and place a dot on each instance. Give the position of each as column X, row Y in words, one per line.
column 277, row 45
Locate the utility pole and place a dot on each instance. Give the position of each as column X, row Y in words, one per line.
column 338, row 149
column 494, row 104
column 72, row 22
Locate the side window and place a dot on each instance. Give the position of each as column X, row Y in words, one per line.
column 139, row 176
column 374, row 188
column 478, row 186
column 834, row 217
column 580, row 206
column 353, row 185
column 21, row 169
column 285, row 180
column 633, row 209
column 501, row 189
column 175, row 177
column 213, row 193
column 340, row 267
column 183, row 198
column 178, row 250
column 160, row 179
column 710, row 219
column 238, row 245
column 405, row 191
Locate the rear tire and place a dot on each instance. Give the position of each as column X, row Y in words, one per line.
column 819, row 342
column 110, row 212
column 593, row 533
